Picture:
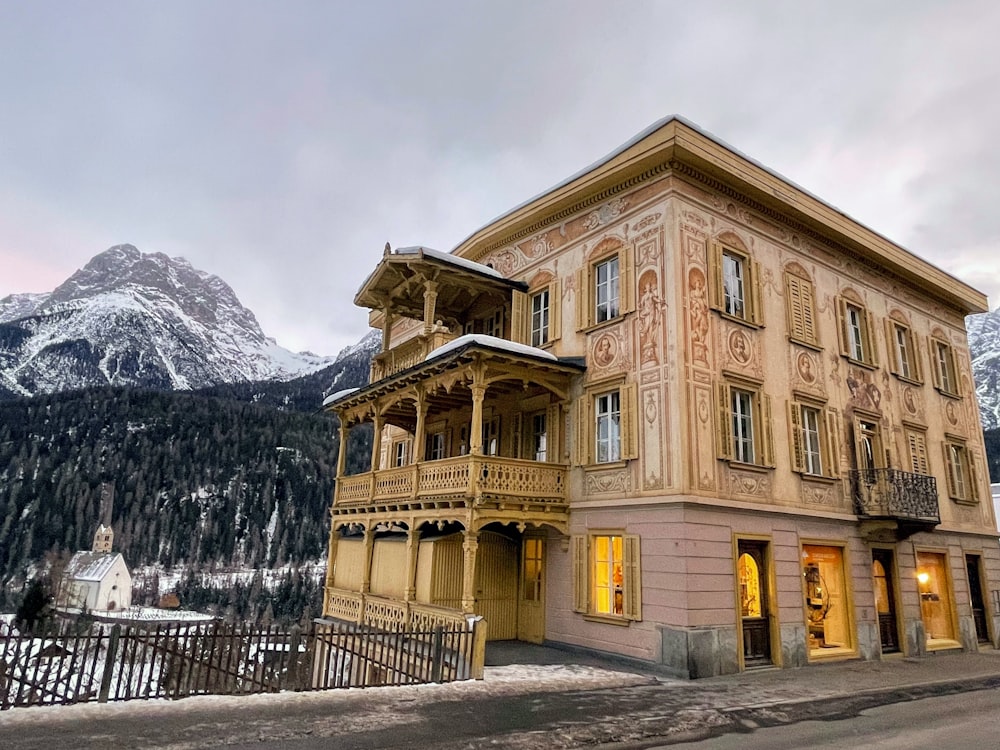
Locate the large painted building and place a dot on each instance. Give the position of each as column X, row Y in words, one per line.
column 678, row 409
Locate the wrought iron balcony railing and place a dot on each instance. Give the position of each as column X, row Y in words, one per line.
column 900, row 495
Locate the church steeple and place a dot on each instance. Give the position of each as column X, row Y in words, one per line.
column 104, row 538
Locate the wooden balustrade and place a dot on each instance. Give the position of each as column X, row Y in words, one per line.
column 389, row 614
column 408, row 354
column 469, row 476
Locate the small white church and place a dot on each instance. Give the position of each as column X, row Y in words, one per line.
column 97, row 580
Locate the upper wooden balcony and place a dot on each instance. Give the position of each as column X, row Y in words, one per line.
column 408, row 354
column 470, row 477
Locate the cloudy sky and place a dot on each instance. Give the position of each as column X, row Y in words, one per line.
column 279, row 145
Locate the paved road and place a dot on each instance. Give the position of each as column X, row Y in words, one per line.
column 969, row 721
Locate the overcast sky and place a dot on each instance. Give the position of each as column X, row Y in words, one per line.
column 279, row 145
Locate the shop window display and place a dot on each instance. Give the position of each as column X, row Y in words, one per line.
column 935, row 599
column 826, row 600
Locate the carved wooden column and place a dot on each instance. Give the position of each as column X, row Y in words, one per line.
column 470, row 547
column 412, row 547
column 420, row 436
column 376, row 440
column 343, row 432
column 476, row 438
column 430, row 303
column 387, row 328
column 369, row 544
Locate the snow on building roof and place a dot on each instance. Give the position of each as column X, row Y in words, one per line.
column 449, row 258
column 338, row 395
column 491, row 342
column 91, row 566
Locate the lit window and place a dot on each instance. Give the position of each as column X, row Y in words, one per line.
column 606, row 290
column 607, row 412
column 606, row 572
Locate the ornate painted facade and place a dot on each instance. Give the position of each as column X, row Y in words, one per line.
column 678, row 409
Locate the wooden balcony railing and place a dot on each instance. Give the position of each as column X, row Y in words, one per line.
column 469, row 476
column 407, row 354
column 895, row 494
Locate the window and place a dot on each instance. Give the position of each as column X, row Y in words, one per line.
column 943, row 367
column 606, row 290
column 607, row 411
column 605, row 424
column 813, row 435
column 540, row 318
column 935, row 597
column 606, row 568
column 491, row 436
column 435, row 446
column 961, row 477
column 539, row 436
column 826, row 600
column 903, row 360
column 868, row 453
column 856, row 340
column 735, row 289
column 536, row 316
column 744, row 431
column 604, row 287
column 400, row 452
column 801, row 308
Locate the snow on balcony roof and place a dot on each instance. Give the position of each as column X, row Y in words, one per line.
column 338, row 395
column 449, row 258
column 491, row 342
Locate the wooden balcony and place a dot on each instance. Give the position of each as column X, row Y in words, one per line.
column 471, row 477
column 894, row 504
column 408, row 354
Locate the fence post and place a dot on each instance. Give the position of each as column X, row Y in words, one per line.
column 109, row 663
column 478, row 647
column 294, row 668
column 437, row 654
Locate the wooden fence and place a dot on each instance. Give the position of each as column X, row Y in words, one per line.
column 77, row 661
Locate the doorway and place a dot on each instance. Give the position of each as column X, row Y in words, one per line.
column 754, row 602
column 885, row 600
column 531, row 602
column 978, row 602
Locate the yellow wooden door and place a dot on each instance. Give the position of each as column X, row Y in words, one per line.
column 531, row 602
column 496, row 585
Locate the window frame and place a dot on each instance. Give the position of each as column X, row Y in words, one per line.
column 587, row 298
column 522, row 313
column 825, row 450
column 586, row 580
column 752, row 313
column 437, row 443
column 857, row 337
column 960, row 470
column 760, row 419
column 902, row 350
column 944, row 367
column 586, row 449
column 400, row 455
column 538, row 327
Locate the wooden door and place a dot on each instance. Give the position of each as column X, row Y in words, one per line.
column 531, row 602
column 755, row 618
column 976, row 598
column 885, row 600
column 496, row 585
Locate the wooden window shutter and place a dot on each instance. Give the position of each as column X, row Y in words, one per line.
column 724, row 428
column 583, row 434
column 809, row 312
column 554, row 438
column 584, row 298
column 581, row 574
column 756, row 294
column 767, row 431
column 626, row 280
column 871, row 350
column 918, row 364
column 917, row 443
column 632, row 593
column 797, row 450
column 555, row 310
column 793, row 307
column 973, row 476
column 715, row 293
column 935, row 365
column 520, row 318
column 891, row 347
column 845, row 337
column 956, row 384
column 831, row 443
column 629, row 421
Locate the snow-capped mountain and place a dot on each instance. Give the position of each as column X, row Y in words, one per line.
column 142, row 319
column 984, row 347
